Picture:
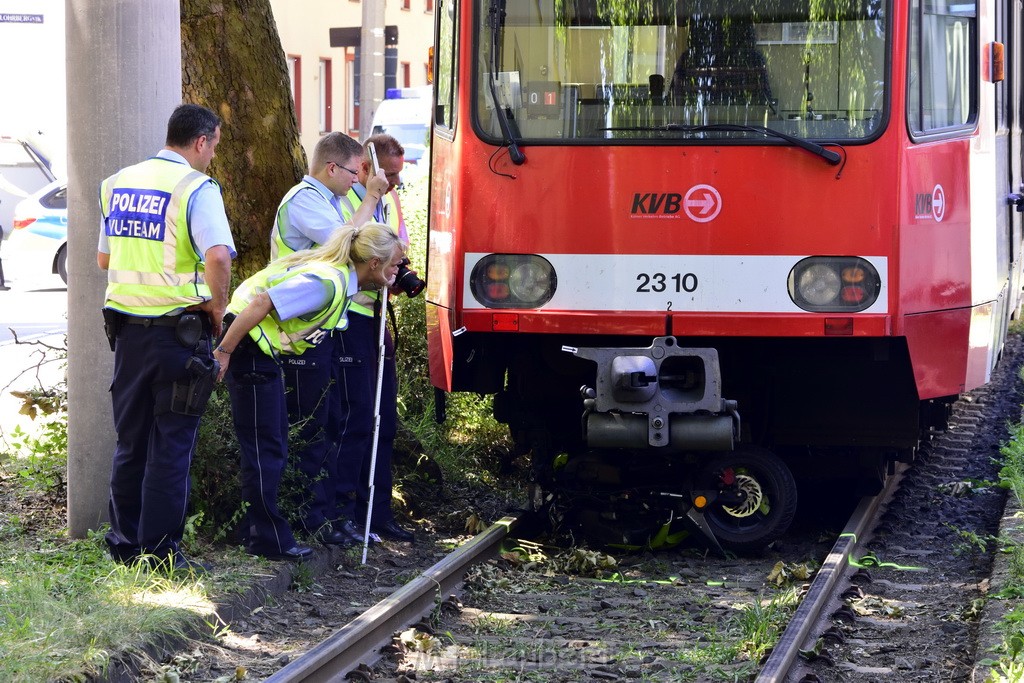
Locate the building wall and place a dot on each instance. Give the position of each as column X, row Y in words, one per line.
column 32, row 76
column 304, row 27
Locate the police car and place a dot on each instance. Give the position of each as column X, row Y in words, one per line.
column 405, row 114
column 39, row 241
column 24, row 168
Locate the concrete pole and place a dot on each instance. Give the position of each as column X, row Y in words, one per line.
column 371, row 64
column 123, row 81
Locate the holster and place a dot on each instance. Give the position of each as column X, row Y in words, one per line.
column 190, row 394
column 112, row 322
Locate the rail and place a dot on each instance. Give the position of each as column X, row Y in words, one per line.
column 821, row 592
column 359, row 639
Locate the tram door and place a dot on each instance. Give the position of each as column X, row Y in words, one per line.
column 1009, row 109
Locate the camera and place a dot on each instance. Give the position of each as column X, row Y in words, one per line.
column 408, row 281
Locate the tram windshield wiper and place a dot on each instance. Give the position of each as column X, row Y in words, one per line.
column 828, row 155
column 506, row 120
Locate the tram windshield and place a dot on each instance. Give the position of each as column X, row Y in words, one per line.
column 677, row 70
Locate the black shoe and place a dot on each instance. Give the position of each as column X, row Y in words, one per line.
column 334, row 537
column 353, row 531
column 297, row 553
column 392, row 531
column 124, row 557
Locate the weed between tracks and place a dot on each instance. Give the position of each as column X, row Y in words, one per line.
column 550, row 614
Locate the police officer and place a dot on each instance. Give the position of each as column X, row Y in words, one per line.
column 356, row 365
column 167, row 248
column 309, row 214
column 282, row 312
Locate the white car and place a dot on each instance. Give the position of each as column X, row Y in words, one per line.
column 39, row 241
column 24, row 168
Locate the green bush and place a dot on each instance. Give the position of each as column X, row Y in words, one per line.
column 469, row 444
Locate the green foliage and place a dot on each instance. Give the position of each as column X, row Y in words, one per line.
column 1016, row 565
column 40, row 459
column 1011, row 474
column 970, row 541
column 470, row 443
column 303, row 578
column 216, row 497
column 761, row 624
column 38, row 456
column 415, row 394
column 1008, row 664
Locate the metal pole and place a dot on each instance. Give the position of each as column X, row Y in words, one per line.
column 371, row 68
column 378, row 314
column 123, row 81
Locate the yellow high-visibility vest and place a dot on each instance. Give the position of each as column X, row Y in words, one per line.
column 154, row 266
column 295, row 335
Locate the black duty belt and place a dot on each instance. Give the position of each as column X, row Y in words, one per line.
column 161, row 321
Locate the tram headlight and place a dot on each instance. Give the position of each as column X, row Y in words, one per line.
column 531, row 281
column 818, row 285
column 513, row 281
column 834, row 284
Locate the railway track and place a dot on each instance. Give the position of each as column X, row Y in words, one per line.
column 480, row 641
column 355, row 643
column 546, row 614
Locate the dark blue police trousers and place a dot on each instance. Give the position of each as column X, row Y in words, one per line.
column 356, row 368
column 258, row 409
column 149, row 480
column 314, row 408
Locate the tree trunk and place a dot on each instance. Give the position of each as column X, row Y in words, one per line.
column 232, row 62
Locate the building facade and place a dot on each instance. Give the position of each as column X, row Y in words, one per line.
column 320, row 39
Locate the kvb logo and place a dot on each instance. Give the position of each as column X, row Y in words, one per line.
column 701, row 204
column 931, row 204
column 652, row 203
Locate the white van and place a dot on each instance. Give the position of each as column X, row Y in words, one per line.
column 405, row 115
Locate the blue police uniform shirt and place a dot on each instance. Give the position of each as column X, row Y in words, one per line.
column 305, row 294
column 207, row 219
column 380, row 212
column 312, row 216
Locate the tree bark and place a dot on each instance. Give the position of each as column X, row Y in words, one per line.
column 232, row 62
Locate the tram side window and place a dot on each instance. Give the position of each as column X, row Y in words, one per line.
column 446, row 52
column 941, row 80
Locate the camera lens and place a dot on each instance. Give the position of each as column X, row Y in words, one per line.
column 408, row 281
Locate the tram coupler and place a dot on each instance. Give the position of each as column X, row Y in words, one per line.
column 660, row 396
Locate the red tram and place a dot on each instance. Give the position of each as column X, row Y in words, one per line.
column 693, row 247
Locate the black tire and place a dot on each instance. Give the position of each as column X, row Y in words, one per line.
column 771, row 504
column 62, row 263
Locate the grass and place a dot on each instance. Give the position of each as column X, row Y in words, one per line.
column 1007, row 660
column 64, row 608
